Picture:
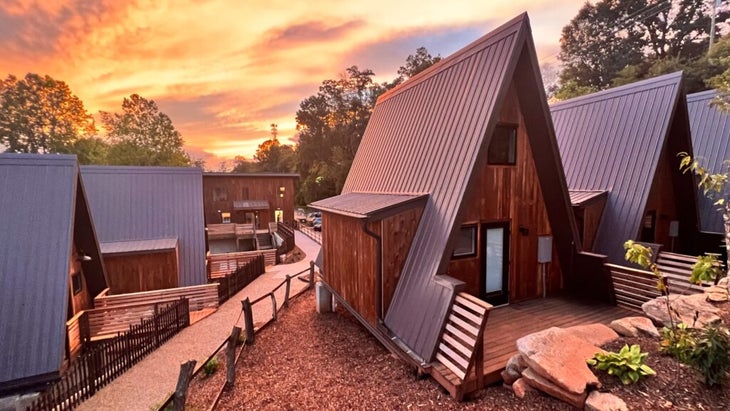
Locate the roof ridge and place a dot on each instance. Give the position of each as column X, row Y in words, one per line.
column 614, row 92
column 701, row 95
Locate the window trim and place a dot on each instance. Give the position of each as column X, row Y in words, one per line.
column 76, row 284
column 475, row 238
column 513, row 127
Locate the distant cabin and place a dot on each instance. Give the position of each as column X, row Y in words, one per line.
column 150, row 225
column 457, row 186
column 50, row 266
column 248, row 198
column 619, row 150
column 711, row 145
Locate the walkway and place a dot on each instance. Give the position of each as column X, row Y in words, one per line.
column 153, row 379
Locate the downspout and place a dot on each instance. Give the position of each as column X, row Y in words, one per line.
column 379, row 274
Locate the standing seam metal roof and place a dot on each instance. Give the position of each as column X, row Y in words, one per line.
column 36, row 237
column 144, row 203
column 711, row 145
column 425, row 137
column 363, row 205
column 612, row 140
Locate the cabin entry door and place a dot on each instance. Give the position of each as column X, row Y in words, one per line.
column 495, row 262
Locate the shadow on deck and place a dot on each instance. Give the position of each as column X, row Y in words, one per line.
column 509, row 323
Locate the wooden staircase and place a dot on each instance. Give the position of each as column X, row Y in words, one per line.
column 460, row 357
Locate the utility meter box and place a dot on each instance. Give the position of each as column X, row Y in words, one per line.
column 674, row 228
column 544, row 249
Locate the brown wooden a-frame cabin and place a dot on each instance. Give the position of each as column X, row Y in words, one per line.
column 455, row 194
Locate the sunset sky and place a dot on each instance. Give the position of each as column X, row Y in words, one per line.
column 224, row 70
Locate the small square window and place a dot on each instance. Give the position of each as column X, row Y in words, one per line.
column 220, row 194
column 466, row 242
column 76, row 283
column 503, row 147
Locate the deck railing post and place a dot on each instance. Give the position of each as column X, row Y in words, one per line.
column 248, row 321
column 183, row 380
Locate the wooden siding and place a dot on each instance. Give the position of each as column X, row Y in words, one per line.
column 510, row 194
column 661, row 200
column 247, row 187
column 132, row 273
column 81, row 300
column 588, row 217
column 397, row 234
column 350, row 263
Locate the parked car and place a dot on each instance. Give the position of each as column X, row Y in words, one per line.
column 300, row 215
column 312, row 216
column 317, row 225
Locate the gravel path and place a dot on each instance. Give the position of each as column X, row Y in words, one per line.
column 149, row 382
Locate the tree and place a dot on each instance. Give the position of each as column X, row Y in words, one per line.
column 273, row 156
column 90, row 150
column 142, row 135
column 41, row 115
column 614, row 42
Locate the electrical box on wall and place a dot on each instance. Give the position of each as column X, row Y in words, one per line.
column 544, row 248
column 674, row 228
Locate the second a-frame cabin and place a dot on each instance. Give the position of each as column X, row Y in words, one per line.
column 619, row 148
column 456, row 200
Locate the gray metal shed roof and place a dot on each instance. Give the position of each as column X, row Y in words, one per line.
column 711, row 144
column 143, row 203
column 36, row 237
column 137, row 246
column 251, row 205
column 612, row 140
column 363, row 205
column 252, row 175
column 429, row 135
column 581, row 197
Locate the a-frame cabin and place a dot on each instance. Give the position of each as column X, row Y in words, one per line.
column 456, row 189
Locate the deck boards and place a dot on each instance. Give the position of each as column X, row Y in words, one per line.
column 509, row 323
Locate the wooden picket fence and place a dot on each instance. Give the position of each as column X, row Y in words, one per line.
column 103, row 361
column 231, row 284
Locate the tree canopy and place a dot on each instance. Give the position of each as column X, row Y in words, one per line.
column 614, row 42
column 273, row 156
column 142, row 135
column 39, row 114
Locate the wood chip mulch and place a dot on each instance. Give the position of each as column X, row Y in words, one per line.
column 330, row 362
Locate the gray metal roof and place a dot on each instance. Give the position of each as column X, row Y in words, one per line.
column 363, row 205
column 251, row 205
column 711, row 145
column 144, row 203
column 136, row 246
column 429, row 135
column 36, row 237
column 250, row 175
column 581, row 197
column 612, row 140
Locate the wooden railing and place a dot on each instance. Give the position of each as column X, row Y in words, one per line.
column 222, row 265
column 460, row 355
column 102, row 362
column 74, row 332
column 287, row 235
column 234, row 282
column 199, row 297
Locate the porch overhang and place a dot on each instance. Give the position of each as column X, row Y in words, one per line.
column 250, row 205
column 369, row 206
column 582, row 198
column 157, row 245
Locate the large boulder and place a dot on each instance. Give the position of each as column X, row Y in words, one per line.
column 718, row 293
column 692, row 310
column 603, row 401
column 559, row 356
column 633, row 326
column 596, row 334
column 521, row 388
column 538, row 382
column 513, row 369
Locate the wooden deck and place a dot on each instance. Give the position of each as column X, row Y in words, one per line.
column 509, row 323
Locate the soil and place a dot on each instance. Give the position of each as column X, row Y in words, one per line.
column 294, row 256
column 330, row 362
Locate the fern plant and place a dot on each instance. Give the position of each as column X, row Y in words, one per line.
column 627, row 364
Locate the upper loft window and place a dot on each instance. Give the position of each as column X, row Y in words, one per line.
column 503, row 147
column 220, row 194
column 76, row 284
column 466, row 242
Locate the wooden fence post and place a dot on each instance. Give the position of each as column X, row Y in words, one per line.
column 311, row 274
column 231, row 356
column 183, row 380
column 286, row 292
column 273, row 306
column 248, row 321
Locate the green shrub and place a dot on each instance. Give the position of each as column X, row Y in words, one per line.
column 710, row 354
column 707, row 269
column 211, row 367
column 627, row 364
column 678, row 342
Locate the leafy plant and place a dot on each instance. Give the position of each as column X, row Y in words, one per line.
column 627, row 364
column 640, row 254
column 211, row 367
column 711, row 354
column 707, row 269
column 678, row 342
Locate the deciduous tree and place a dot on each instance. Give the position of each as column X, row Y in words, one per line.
column 39, row 114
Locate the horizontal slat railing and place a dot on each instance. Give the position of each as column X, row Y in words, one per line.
column 199, row 297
